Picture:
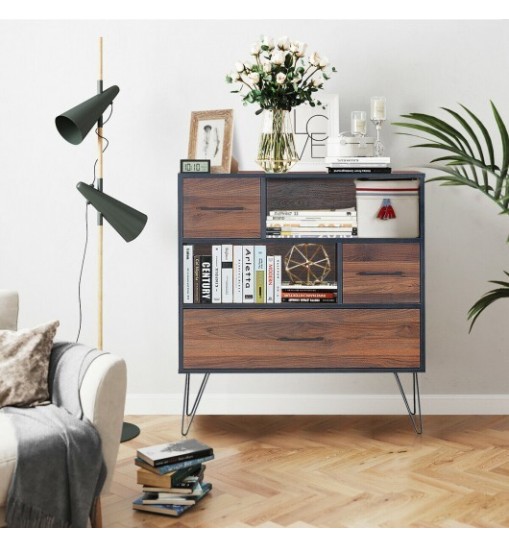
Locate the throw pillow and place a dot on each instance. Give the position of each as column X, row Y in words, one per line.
column 24, row 363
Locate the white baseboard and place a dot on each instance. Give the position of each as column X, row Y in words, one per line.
column 313, row 404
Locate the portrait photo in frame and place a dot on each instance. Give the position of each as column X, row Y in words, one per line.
column 211, row 138
column 312, row 127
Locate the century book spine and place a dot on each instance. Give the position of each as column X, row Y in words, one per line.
column 206, row 279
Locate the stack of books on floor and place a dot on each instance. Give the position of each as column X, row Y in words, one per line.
column 358, row 164
column 297, row 293
column 312, row 223
column 172, row 476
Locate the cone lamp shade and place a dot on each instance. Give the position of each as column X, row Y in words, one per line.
column 75, row 124
column 126, row 220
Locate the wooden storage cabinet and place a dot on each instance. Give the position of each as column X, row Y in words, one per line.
column 377, row 323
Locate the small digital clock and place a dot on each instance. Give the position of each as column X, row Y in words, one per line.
column 194, row 166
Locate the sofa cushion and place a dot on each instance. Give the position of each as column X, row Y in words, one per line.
column 24, row 362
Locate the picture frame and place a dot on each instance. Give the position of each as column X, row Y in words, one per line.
column 211, row 138
column 312, row 127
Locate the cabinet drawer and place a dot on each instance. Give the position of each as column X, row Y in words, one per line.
column 223, row 208
column 381, row 273
column 262, row 339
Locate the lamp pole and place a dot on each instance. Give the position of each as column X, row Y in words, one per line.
column 99, row 186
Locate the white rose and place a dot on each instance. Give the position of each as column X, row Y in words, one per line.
column 283, row 43
column 298, row 48
column 317, row 81
column 323, row 62
column 281, row 77
column 314, row 59
column 254, row 77
column 239, row 67
column 235, row 76
column 267, row 41
column 278, row 58
column 267, row 67
column 255, row 49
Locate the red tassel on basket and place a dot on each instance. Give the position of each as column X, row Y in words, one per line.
column 386, row 210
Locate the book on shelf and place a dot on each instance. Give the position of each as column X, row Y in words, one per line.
column 318, row 223
column 196, row 278
column 167, row 468
column 346, row 212
column 238, row 273
column 260, row 267
column 188, row 274
column 248, row 294
column 227, row 273
column 172, row 452
column 278, row 265
column 205, row 279
column 357, row 160
column 359, row 169
column 269, row 283
column 216, row 274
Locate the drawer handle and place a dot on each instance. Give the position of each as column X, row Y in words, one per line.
column 300, row 339
column 232, row 208
column 396, row 273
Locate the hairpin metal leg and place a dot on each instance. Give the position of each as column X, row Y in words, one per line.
column 185, row 411
column 414, row 413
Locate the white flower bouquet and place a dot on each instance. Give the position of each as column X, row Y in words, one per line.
column 281, row 76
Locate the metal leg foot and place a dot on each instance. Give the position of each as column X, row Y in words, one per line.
column 414, row 414
column 190, row 414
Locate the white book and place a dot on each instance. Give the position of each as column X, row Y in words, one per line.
column 187, row 278
column 346, row 223
column 278, row 271
column 227, row 273
column 216, row 274
column 237, row 273
column 310, row 212
column 248, row 280
column 260, row 266
column 269, row 284
column 358, row 160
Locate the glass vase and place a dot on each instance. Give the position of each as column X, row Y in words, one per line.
column 276, row 150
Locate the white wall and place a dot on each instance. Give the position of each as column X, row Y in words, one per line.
column 165, row 70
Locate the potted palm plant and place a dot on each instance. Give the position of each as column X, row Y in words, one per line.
column 467, row 158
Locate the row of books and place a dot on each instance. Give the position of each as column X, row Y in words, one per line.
column 358, row 164
column 172, row 476
column 312, row 223
column 244, row 274
column 232, row 274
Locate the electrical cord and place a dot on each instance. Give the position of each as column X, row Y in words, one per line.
column 80, row 321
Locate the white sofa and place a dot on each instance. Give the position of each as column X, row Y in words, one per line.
column 102, row 395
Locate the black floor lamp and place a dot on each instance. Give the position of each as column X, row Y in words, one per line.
column 74, row 125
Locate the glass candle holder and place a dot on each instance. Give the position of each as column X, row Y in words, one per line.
column 359, row 123
column 378, row 116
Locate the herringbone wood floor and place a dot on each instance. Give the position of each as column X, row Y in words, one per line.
column 332, row 471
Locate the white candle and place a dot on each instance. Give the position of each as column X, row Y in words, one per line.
column 378, row 111
column 359, row 126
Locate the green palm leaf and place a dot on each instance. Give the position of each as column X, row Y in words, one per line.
column 487, row 299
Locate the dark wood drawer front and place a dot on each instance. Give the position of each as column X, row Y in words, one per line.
column 223, row 208
column 301, row 339
column 381, row 273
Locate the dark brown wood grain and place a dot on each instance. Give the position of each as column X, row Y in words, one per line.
column 301, row 339
column 310, row 194
column 221, row 207
column 381, row 273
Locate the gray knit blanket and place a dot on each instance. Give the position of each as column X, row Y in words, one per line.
column 60, row 468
